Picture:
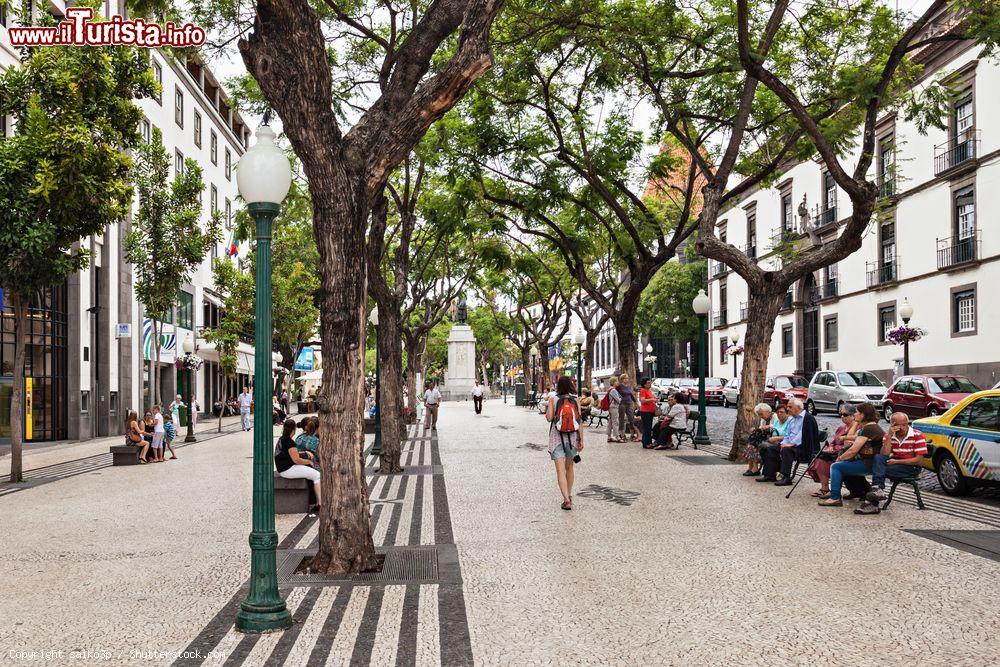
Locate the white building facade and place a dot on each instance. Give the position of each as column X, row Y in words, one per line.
column 90, row 364
column 934, row 245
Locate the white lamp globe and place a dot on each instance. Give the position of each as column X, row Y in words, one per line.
column 578, row 338
column 373, row 318
column 701, row 304
column 264, row 174
column 734, row 336
column 906, row 310
column 188, row 345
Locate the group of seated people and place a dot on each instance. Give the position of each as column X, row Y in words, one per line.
column 859, row 447
column 298, row 458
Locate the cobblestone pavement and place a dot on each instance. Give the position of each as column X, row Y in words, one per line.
column 661, row 562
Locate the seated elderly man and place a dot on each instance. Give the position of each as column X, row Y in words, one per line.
column 673, row 422
column 800, row 441
column 902, row 451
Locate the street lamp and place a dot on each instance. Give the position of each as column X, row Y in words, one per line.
column 188, row 347
column 578, row 340
column 377, row 445
column 700, row 305
column 263, row 176
column 906, row 312
column 734, row 337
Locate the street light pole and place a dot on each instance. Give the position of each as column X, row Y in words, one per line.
column 906, row 312
column 264, row 176
column 377, row 445
column 534, row 377
column 188, row 351
column 734, row 337
column 578, row 340
column 701, row 305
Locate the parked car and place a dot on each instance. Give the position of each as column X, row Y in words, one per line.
column 830, row 390
column 713, row 391
column 780, row 388
column 926, row 395
column 731, row 393
column 662, row 387
column 683, row 387
column 966, row 442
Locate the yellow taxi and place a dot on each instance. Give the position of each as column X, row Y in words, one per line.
column 967, row 443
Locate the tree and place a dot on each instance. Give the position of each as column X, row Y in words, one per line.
column 426, row 64
column 665, row 307
column 489, row 338
column 166, row 242
column 237, row 288
column 64, row 174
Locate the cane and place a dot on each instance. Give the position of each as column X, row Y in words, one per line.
column 804, row 472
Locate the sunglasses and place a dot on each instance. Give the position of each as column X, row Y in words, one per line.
column 844, row 414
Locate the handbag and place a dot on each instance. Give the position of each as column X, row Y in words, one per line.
column 134, row 436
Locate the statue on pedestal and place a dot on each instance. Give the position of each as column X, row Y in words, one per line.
column 462, row 311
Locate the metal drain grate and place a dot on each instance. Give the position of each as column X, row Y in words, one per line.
column 709, row 460
column 402, row 565
column 985, row 543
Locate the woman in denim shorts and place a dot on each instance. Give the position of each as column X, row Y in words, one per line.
column 563, row 446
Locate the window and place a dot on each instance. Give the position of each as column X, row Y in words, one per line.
column 213, row 147
column 787, row 340
column 951, row 385
column 887, row 166
column 965, row 214
column 84, row 402
column 214, row 200
column 964, row 119
column 185, row 310
column 178, row 106
column 830, row 333
column 963, row 318
column 723, row 300
column 751, row 235
column 178, row 163
column 113, row 403
column 158, row 75
column 723, row 350
column 886, row 321
column 197, row 129
column 786, row 212
column 981, row 414
column 229, row 165
column 829, row 193
column 859, row 379
column 887, row 253
column 147, row 130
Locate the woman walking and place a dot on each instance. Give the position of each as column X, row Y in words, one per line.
column 565, row 436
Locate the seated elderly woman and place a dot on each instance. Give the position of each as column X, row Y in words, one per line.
column 843, row 437
column 758, row 438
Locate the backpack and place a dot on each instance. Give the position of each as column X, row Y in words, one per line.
column 566, row 416
column 606, row 402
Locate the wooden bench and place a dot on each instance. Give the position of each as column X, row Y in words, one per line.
column 291, row 496
column 125, row 455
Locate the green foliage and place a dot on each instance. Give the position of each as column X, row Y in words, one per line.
column 237, row 286
column 490, row 328
column 166, row 242
column 64, row 175
column 665, row 307
column 436, row 356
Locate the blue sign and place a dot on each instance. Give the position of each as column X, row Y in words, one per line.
column 306, row 360
column 1, row 298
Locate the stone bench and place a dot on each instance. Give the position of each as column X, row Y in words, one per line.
column 369, row 424
column 291, row 496
column 125, row 455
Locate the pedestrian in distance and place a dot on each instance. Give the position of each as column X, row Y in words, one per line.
column 175, row 410
column 614, row 401
column 291, row 463
column 159, row 433
column 432, row 401
column 170, row 430
column 477, row 397
column 565, row 437
column 626, row 410
column 245, row 401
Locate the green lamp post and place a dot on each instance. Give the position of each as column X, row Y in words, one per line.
column 264, row 176
column 578, row 340
column 700, row 305
column 188, row 347
column 377, row 445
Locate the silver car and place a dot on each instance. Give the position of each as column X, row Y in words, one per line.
column 830, row 390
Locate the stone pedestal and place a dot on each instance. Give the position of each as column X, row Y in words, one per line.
column 461, row 374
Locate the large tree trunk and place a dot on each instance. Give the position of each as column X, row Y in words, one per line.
column 762, row 311
column 412, row 369
column 154, row 390
column 17, row 400
column 339, row 219
column 390, row 352
column 588, row 359
column 526, row 369
column 222, row 404
column 625, row 335
column 546, row 371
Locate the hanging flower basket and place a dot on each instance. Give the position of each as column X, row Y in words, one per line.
column 735, row 349
column 189, row 362
column 904, row 334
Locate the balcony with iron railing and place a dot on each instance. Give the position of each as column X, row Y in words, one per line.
column 782, row 237
column 957, row 152
column 750, row 249
column 822, row 217
column 882, row 273
column 886, row 187
column 719, row 319
column 827, row 290
column 718, row 269
column 955, row 251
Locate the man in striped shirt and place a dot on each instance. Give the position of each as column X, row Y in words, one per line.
column 903, row 448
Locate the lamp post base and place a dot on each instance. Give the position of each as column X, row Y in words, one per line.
column 256, row 620
column 701, row 440
column 190, row 438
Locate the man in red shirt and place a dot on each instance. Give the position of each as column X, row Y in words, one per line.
column 903, row 448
